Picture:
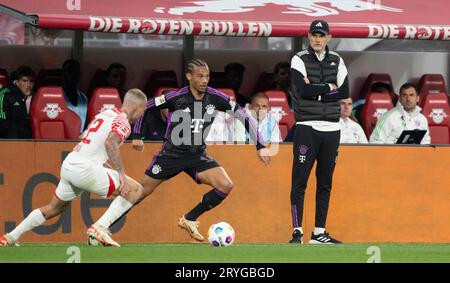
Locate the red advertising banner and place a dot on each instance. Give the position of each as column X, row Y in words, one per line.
column 396, row 19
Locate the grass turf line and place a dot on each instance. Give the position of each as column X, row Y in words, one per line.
column 238, row 253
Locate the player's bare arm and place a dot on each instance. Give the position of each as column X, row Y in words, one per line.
column 112, row 144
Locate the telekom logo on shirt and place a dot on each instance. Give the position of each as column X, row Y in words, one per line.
column 197, row 124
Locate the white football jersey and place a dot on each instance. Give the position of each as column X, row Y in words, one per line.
column 92, row 145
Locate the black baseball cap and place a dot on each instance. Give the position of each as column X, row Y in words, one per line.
column 319, row 26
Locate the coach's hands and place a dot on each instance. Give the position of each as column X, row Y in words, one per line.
column 138, row 145
column 264, row 156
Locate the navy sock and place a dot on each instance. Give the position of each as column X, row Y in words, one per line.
column 209, row 200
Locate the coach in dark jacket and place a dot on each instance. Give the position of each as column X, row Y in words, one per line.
column 319, row 80
column 15, row 102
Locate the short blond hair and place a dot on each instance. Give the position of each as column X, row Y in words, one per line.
column 134, row 95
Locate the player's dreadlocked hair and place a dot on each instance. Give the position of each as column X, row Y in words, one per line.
column 195, row 63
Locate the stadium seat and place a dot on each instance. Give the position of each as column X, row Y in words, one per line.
column 161, row 79
column 50, row 116
column 376, row 105
column 437, row 110
column 49, row 77
column 375, row 78
column 102, row 99
column 431, row 83
column 3, row 78
column 217, row 80
column 264, row 82
column 279, row 108
column 229, row 92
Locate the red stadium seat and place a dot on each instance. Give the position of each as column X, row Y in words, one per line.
column 161, row 79
column 437, row 110
column 376, row 105
column 50, row 116
column 279, row 108
column 265, row 82
column 49, row 77
column 432, row 83
column 229, row 92
column 3, row 78
column 102, row 99
column 376, row 78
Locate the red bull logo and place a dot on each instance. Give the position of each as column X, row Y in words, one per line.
column 310, row 8
column 52, row 110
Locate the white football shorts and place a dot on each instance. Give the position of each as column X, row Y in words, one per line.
column 78, row 175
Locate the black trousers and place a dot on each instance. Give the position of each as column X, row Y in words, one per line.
column 310, row 145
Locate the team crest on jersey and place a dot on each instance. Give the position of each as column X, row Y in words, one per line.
column 438, row 115
column 160, row 100
column 52, row 110
column 156, row 169
column 107, row 107
column 210, row 109
column 302, row 149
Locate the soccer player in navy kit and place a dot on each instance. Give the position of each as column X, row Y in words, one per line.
column 191, row 112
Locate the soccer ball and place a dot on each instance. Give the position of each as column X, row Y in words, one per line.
column 221, row 234
column 91, row 241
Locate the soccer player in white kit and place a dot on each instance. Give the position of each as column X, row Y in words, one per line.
column 94, row 166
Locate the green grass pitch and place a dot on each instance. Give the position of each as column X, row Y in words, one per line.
column 238, row 253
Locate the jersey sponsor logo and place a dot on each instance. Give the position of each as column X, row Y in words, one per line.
column 197, row 124
column 437, row 115
column 156, row 169
column 210, row 109
column 160, row 100
column 302, row 158
column 52, row 110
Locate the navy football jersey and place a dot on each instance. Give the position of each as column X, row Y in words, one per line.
column 190, row 119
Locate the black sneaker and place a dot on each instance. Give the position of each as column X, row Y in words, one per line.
column 323, row 238
column 297, row 237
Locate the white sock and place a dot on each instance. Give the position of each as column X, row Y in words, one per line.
column 118, row 207
column 299, row 229
column 33, row 220
column 318, row 231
